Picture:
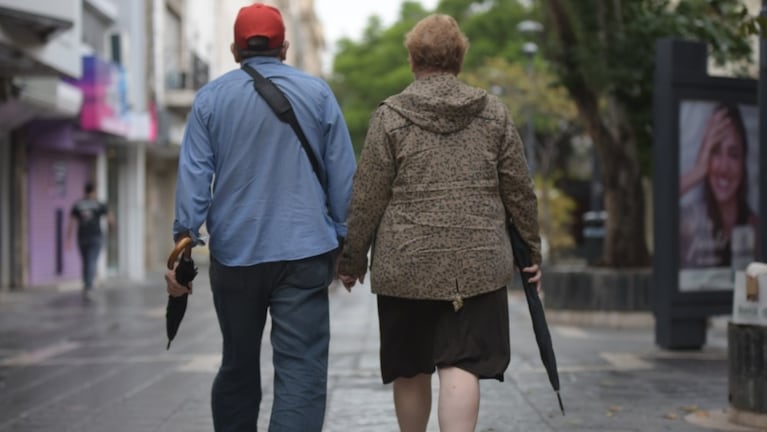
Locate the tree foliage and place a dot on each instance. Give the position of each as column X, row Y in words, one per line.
column 525, row 93
column 366, row 72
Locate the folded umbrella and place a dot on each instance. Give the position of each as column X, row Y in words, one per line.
column 523, row 259
column 185, row 273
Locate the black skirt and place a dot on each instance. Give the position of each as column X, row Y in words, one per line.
column 418, row 336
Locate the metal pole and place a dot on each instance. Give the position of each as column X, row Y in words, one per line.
column 530, row 133
column 763, row 136
column 596, row 183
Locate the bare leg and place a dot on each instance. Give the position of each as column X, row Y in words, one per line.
column 412, row 402
column 458, row 400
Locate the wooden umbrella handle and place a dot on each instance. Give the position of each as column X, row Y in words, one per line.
column 183, row 245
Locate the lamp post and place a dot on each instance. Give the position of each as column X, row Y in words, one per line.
column 530, row 49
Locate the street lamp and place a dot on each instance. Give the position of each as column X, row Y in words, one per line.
column 529, row 27
column 530, row 49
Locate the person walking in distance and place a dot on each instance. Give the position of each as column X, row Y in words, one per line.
column 87, row 214
column 275, row 226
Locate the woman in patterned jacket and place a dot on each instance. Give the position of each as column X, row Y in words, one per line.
column 442, row 173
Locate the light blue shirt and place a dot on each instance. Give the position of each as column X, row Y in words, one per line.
column 244, row 173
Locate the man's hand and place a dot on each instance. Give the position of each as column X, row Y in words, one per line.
column 174, row 288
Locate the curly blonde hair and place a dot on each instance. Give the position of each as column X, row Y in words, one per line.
column 436, row 44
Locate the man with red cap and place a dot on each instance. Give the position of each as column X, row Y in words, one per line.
column 275, row 225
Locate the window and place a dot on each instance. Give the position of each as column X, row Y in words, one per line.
column 95, row 28
column 174, row 78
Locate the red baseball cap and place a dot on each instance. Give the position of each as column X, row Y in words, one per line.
column 259, row 19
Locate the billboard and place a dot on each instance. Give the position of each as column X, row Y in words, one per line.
column 718, row 192
column 105, row 106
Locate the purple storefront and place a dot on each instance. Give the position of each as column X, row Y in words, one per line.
column 61, row 156
column 60, row 159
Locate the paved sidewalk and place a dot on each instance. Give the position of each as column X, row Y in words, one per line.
column 69, row 367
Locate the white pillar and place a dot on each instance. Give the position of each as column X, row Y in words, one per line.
column 158, row 32
column 101, row 195
column 5, row 209
column 131, row 226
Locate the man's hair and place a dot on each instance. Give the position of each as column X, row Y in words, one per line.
column 258, row 46
column 89, row 187
column 436, row 44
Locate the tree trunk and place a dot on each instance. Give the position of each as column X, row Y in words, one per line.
column 624, row 199
column 625, row 244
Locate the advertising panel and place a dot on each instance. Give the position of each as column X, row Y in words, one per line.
column 105, row 107
column 718, row 192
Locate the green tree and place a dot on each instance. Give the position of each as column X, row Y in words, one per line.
column 603, row 52
column 368, row 71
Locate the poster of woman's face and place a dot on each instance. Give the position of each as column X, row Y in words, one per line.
column 718, row 192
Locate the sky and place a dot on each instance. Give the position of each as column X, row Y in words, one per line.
column 348, row 18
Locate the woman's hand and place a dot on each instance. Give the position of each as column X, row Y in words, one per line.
column 536, row 278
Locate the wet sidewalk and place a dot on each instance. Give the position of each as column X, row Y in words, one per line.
column 65, row 366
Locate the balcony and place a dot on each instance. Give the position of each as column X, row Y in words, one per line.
column 42, row 26
column 181, row 85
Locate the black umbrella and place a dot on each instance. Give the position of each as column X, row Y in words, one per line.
column 542, row 336
column 185, row 273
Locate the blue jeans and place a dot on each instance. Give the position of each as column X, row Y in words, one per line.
column 295, row 293
column 89, row 254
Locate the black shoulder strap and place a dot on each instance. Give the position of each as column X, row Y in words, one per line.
column 284, row 111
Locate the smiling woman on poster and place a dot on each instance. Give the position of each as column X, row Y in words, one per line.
column 718, row 229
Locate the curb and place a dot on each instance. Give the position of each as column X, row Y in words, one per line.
column 719, row 420
column 611, row 319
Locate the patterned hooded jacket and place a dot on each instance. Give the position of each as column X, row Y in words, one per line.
column 442, row 171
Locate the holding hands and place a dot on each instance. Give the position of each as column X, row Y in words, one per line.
column 349, row 281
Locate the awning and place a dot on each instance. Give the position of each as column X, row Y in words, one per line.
column 42, row 26
column 39, row 37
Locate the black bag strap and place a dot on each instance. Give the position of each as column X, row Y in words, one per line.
column 284, row 111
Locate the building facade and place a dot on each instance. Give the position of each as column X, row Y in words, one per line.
column 68, row 120
column 37, row 43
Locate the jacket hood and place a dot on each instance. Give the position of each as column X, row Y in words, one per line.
column 441, row 103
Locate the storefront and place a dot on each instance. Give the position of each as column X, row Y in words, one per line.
column 60, row 160
column 38, row 97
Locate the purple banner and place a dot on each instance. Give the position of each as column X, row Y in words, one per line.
column 105, row 107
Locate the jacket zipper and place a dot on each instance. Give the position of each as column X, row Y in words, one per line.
column 458, row 300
